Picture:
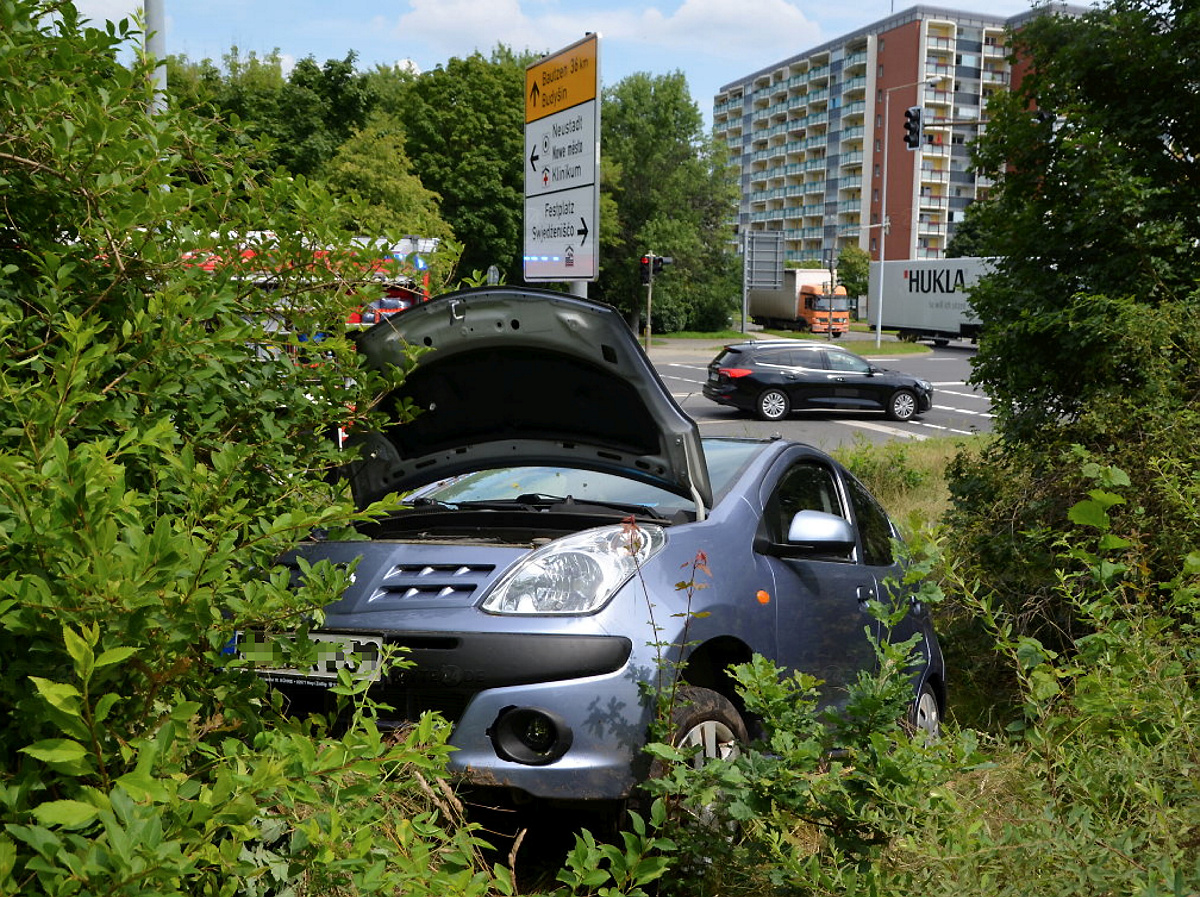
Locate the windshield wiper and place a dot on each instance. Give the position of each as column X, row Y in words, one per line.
column 539, row 501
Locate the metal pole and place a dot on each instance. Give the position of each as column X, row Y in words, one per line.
column 649, row 300
column 156, row 53
column 883, row 220
column 745, row 276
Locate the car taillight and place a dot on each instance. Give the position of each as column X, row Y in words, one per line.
column 735, row 372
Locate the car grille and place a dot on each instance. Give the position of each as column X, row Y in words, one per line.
column 406, row 582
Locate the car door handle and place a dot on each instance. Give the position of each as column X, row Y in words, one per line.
column 866, row 594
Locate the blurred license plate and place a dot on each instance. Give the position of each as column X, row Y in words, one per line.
column 335, row 651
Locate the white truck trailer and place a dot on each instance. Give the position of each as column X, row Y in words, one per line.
column 926, row 298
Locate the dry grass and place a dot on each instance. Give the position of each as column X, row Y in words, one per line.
column 909, row 478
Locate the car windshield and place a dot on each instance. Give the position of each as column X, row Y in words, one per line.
column 726, row 457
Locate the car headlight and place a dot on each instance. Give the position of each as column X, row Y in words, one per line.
column 577, row 574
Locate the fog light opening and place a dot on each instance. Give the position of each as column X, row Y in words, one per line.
column 530, row 735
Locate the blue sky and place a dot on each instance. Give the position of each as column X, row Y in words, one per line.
column 713, row 42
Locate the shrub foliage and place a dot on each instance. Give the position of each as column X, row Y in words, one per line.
column 165, row 406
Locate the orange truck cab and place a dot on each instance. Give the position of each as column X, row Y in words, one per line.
column 825, row 312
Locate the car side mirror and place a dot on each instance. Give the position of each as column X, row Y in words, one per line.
column 815, row 534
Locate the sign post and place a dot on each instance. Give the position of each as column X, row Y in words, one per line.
column 562, row 161
column 763, row 256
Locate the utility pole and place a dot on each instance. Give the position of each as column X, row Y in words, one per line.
column 156, row 53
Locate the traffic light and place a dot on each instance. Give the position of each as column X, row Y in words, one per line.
column 660, row 260
column 912, row 127
column 645, row 265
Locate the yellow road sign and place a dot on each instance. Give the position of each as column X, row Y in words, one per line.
column 562, row 80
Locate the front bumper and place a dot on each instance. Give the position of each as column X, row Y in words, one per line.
column 586, row 686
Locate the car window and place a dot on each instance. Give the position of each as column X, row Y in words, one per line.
column 813, row 359
column 730, row 357
column 807, row 486
column 774, row 356
column 873, row 525
column 844, row 361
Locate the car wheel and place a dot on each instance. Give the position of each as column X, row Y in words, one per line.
column 773, row 405
column 708, row 721
column 925, row 716
column 902, row 405
column 706, row 725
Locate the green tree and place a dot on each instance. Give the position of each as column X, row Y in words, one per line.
column 1090, row 214
column 1092, row 320
column 464, row 132
column 372, row 168
column 245, row 91
column 162, row 444
column 669, row 190
column 970, row 240
column 319, row 108
column 306, row 115
column 853, row 269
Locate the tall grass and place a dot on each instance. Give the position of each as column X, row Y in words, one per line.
column 909, row 478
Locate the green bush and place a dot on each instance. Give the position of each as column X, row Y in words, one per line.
column 163, row 438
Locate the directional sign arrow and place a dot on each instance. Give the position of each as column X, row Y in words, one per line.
column 533, row 157
column 534, row 95
column 583, row 231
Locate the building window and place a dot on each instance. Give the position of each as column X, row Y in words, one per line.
column 876, row 171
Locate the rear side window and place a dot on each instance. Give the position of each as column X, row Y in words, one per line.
column 782, row 357
column 874, row 528
column 813, row 359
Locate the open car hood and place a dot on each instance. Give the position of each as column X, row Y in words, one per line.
column 520, row 376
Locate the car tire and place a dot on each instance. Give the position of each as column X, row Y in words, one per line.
column 708, row 720
column 703, row 718
column 925, row 715
column 901, row 406
column 773, row 405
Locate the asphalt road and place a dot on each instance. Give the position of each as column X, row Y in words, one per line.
column 958, row 409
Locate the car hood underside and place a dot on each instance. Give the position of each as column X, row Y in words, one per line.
column 521, row 376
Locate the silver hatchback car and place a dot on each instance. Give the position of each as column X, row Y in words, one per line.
column 556, row 497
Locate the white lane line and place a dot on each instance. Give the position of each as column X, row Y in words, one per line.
column 953, row 430
column 883, row 428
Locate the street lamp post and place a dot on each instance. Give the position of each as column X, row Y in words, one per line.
column 883, row 218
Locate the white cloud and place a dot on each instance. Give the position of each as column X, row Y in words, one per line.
column 715, row 29
column 745, row 29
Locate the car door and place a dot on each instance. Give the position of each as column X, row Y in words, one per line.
column 876, row 534
column 854, row 384
column 807, row 380
column 822, row 621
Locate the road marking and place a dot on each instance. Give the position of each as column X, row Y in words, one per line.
column 882, row 428
column 953, row 430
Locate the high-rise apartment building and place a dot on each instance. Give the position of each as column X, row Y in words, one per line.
column 819, row 137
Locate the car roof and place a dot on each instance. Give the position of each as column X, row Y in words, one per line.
column 524, row 376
